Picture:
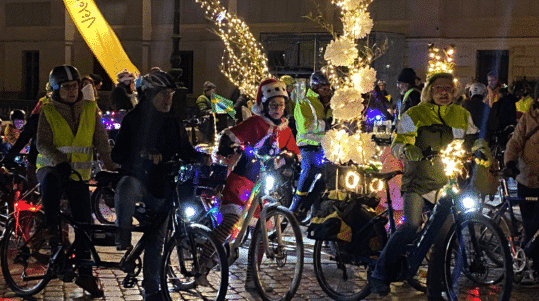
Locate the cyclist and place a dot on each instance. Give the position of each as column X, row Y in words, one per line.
column 313, row 117
column 68, row 129
column 522, row 163
column 268, row 131
column 434, row 123
column 149, row 136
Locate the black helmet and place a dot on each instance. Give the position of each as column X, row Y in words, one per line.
column 155, row 81
column 62, row 74
column 17, row 115
column 318, row 78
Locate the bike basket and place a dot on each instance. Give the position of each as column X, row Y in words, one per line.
column 203, row 175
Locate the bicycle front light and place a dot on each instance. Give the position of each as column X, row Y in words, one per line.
column 270, row 181
column 189, row 212
column 468, row 202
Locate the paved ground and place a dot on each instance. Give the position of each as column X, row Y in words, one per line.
column 308, row 290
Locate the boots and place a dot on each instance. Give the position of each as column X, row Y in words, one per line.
column 123, row 239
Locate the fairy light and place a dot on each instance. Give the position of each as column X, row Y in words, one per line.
column 453, row 157
column 243, row 62
column 441, row 60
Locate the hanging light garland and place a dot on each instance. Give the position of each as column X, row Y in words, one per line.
column 244, row 62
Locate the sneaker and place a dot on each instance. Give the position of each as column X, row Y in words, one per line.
column 91, row 285
column 378, row 286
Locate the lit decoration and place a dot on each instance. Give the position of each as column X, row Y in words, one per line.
column 376, row 185
column 341, row 52
column 453, row 157
column 112, row 120
column 360, row 148
column 441, row 60
column 363, row 80
column 351, row 179
column 244, row 62
column 334, row 144
column 347, row 104
column 357, row 23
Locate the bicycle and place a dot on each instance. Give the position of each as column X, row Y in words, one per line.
column 276, row 251
column 476, row 257
column 28, row 264
column 341, row 270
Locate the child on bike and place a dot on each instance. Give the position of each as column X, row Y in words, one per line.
column 432, row 124
column 268, row 132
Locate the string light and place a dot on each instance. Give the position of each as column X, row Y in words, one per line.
column 244, row 61
column 453, row 157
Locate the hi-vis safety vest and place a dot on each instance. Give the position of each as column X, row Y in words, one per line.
column 79, row 147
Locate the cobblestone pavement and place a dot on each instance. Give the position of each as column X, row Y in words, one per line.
column 308, row 290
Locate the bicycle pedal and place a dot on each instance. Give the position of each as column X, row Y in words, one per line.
column 129, row 282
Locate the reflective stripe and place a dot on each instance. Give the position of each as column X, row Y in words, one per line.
column 76, row 149
column 312, row 137
column 81, row 165
column 43, row 161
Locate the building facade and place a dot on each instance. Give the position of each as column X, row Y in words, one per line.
column 36, row 35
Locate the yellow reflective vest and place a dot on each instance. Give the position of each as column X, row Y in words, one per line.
column 311, row 117
column 78, row 148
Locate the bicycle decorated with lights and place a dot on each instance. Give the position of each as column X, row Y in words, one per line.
column 476, row 259
column 276, row 250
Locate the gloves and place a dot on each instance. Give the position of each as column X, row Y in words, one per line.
column 480, row 144
column 482, row 153
column 412, row 152
column 511, row 170
column 64, row 169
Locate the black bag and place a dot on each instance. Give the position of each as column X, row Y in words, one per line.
column 345, row 221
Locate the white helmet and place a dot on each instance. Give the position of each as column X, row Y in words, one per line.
column 478, row 89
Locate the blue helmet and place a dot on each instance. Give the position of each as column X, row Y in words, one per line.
column 317, row 79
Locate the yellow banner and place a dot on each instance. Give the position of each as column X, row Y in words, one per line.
column 100, row 37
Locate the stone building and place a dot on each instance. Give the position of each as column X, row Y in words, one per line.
column 36, row 35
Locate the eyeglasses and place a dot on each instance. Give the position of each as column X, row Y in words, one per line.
column 72, row 86
column 447, row 88
column 275, row 106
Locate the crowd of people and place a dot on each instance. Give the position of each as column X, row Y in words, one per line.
column 65, row 128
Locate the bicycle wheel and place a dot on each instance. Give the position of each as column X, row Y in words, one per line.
column 277, row 277
column 25, row 253
column 181, row 265
column 103, row 212
column 478, row 262
column 338, row 274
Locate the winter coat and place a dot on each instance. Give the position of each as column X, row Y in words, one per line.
column 525, row 151
column 311, row 119
column 121, row 99
column 429, row 125
column 146, row 129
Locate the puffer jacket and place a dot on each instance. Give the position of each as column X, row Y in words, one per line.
column 525, row 151
column 71, row 113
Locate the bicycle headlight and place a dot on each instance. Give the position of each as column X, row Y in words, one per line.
column 270, row 181
column 189, row 212
column 468, row 201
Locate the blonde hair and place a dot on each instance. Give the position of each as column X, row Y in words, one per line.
column 426, row 94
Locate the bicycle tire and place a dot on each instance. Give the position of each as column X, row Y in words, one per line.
column 287, row 263
column 332, row 266
column 469, row 246
column 103, row 213
column 179, row 270
column 25, row 254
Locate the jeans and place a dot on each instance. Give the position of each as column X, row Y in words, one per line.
column 78, row 196
column 312, row 163
column 129, row 192
column 395, row 248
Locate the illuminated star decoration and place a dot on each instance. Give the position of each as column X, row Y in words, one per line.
column 244, row 62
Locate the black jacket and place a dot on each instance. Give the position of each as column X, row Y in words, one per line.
column 120, row 98
column 146, row 129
